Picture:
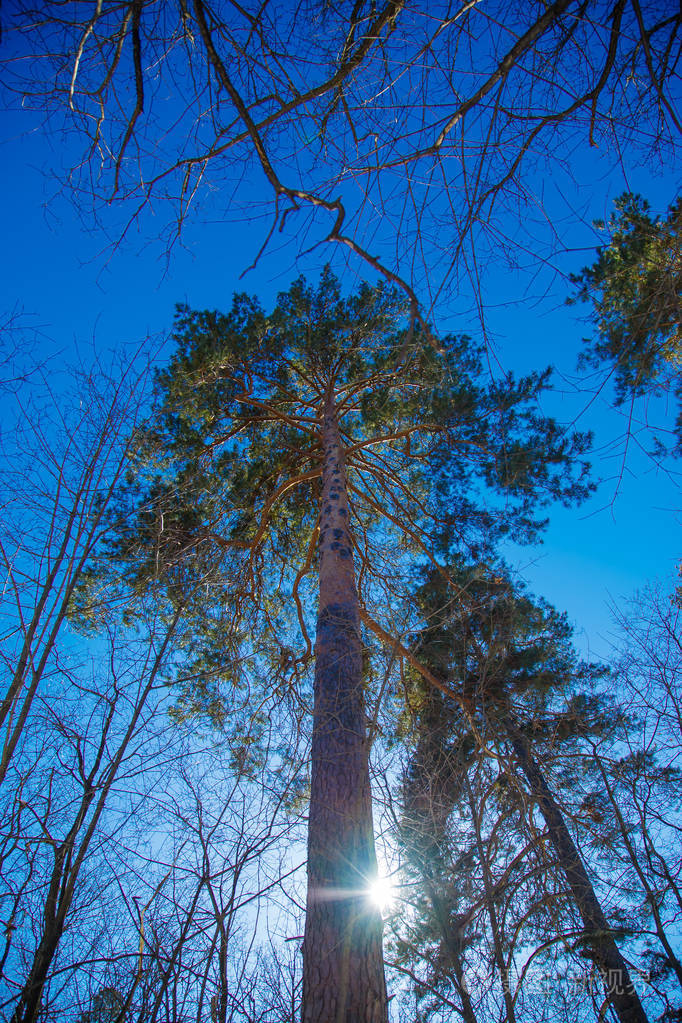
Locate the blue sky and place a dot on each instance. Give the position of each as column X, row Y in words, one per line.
column 59, row 275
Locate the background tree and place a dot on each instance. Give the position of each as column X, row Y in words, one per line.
column 63, row 460
column 109, row 898
column 639, row 793
column 134, row 857
column 635, row 290
column 495, row 651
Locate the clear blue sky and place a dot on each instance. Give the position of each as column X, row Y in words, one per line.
column 55, row 270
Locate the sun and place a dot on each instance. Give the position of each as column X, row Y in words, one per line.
column 381, row 893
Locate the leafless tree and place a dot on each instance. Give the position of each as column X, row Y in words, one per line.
column 636, row 797
column 63, row 456
column 134, row 857
column 136, row 851
column 403, row 133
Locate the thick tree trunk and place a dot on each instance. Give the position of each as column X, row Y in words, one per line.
column 343, row 968
column 602, row 947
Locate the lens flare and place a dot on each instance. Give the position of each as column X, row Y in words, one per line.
column 381, row 893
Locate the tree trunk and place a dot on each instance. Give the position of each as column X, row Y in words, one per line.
column 651, row 895
column 452, row 942
column 343, row 967
column 488, row 890
column 602, row 947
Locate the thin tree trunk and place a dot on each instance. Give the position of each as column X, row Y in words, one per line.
column 453, row 945
column 489, row 896
column 69, row 857
column 649, row 893
column 605, row 954
column 343, row 967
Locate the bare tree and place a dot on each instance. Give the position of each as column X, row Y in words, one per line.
column 135, row 858
column 402, row 133
column 64, row 455
column 59, row 821
column 638, row 795
column 127, row 869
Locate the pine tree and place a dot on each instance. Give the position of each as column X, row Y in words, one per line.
column 107, row 1004
column 635, row 290
column 436, row 865
column 323, row 439
column 502, row 654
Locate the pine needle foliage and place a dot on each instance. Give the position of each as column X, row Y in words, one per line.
column 634, row 288
column 222, row 501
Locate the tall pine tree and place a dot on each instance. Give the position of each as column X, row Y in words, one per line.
column 323, row 440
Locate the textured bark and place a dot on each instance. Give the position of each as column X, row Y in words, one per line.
column 602, row 947
column 343, row 968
